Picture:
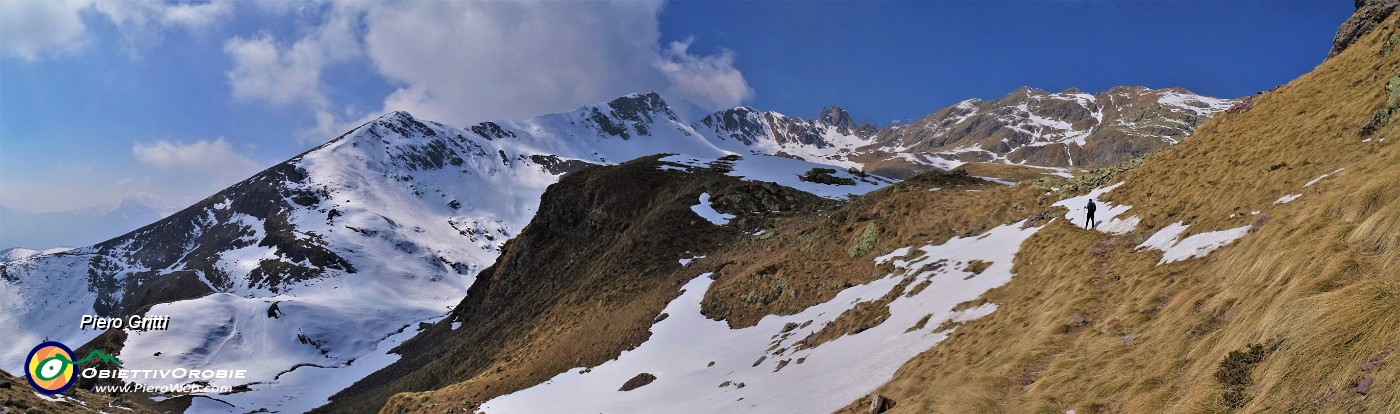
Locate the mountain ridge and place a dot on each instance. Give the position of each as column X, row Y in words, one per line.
column 1026, row 126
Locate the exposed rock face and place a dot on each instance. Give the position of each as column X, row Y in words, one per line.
column 1369, row 14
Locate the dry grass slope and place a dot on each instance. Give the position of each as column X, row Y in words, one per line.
column 1300, row 315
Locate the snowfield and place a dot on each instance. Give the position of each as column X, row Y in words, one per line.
column 788, row 380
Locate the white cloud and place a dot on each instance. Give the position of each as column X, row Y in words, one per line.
column 265, row 70
column 464, row 62
column 706, row 81
column 149, row 15
column 467, row 62
column 262, row 71
column 213, row 157
column 31, row 29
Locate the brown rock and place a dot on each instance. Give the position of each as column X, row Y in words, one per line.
column 637, row 382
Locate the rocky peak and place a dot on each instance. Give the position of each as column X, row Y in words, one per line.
column 640, row 104
column 638, row 110
column 835, row 116
column 400, row 123
column 742, row 123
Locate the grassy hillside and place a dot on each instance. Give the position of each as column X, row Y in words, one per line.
column 1300, row 315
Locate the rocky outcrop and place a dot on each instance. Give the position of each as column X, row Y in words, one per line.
column 1369, row 14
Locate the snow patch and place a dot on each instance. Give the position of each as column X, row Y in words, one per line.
column 1105, row 214
column 686, row 262
column 1315, row 180
column 820, row 379
column 1287, row 198
column 708, row 212
column 1198, row 245
column 996, row 180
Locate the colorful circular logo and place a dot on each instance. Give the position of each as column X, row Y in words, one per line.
column 50, row 368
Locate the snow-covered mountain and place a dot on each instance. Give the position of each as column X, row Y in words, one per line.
column 78, row 227
column 18, row 253
column 1028, row 126
column 831, row 138
column 307, row 273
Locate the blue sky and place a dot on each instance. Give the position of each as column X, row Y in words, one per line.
column 168, row 102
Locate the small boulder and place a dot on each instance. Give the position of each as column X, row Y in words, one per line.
column 638, row 381
column 880, row 404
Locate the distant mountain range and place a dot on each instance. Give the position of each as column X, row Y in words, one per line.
column 79, row 227
column 1028, row 126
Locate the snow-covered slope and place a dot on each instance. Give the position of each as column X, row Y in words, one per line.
column 336, row 255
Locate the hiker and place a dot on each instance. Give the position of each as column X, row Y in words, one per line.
column 1090, row 208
